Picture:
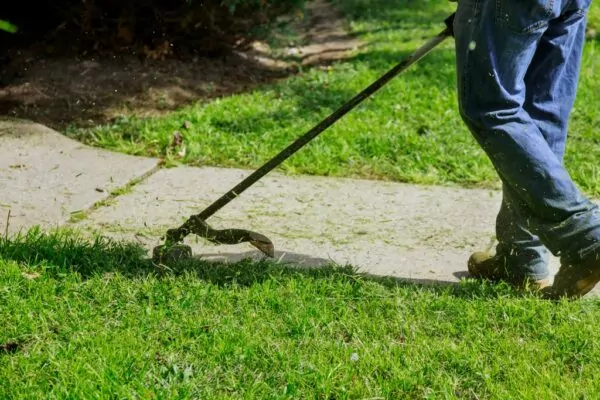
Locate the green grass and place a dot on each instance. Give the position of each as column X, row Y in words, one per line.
column 94, row 320
column 410, row 131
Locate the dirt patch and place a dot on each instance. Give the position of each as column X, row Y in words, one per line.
column 84, row 91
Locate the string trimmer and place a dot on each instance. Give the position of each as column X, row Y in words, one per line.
column 173, row 249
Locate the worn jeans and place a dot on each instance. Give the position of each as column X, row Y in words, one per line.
column 518, row 65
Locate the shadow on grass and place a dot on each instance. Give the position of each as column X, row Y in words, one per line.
column 59, row 253
column 424, row 70
column 310, row 98
column 323, row 100
column 313, row 102
column 385, row 15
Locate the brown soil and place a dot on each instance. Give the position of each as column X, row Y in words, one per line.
column 61, row 91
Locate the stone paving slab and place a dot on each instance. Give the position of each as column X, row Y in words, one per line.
column 45, row 177
column 416, row 232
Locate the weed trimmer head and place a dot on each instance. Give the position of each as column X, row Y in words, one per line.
column 173, row 250
column 167, row 255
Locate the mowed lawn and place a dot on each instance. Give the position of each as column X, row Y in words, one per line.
column 83, row 319
column 94, row 320
column 410, row 131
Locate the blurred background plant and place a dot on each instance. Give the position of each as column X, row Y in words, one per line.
column 149, row 28
column 7, row 26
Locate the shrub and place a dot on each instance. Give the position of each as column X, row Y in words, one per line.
column 155, row 28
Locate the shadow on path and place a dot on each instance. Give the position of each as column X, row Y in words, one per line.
column 63, row 253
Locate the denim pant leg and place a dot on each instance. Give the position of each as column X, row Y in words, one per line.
column 561, row 50
column 525, row 254
column 496, row 43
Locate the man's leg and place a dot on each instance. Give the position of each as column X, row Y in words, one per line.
column 496, row 42
column 551, row 83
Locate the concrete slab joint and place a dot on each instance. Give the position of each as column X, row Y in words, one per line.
column 47, row 177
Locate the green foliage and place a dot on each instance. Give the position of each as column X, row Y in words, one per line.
column 7, row 26
column 154, row 28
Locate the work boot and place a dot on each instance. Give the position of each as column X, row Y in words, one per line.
column 483, row 265
column 575, row 280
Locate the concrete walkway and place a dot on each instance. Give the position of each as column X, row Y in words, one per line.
column 413, row 232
